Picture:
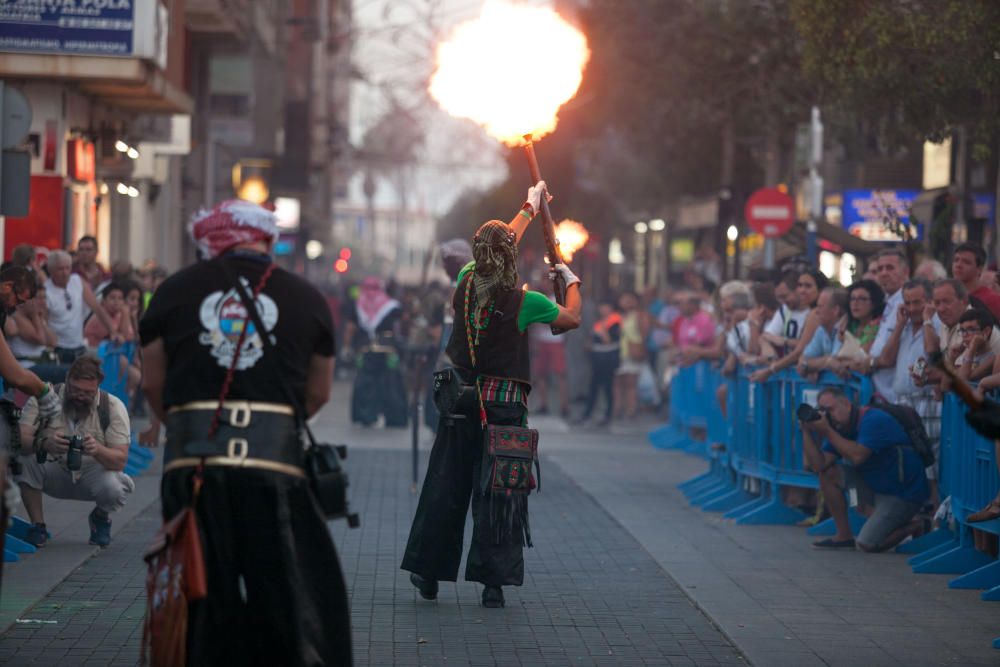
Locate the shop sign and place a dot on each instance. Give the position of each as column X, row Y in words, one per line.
column 863, row 213
column 81, row 27
column 80, row 160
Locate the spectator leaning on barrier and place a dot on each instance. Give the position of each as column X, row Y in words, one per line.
column 767, row 305
column 980, row 345
column 787, row 323
column 33, row 339
column 810, row 283
column 101, row 424
column 905, row 354
column 950, row 301
column 892, row 270
column 967, row 264
column 866, row 304
column 66, row 294
column 733, row 334
column 818, row 354
column 880, row 464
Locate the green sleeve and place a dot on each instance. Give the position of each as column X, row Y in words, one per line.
column 465, row 269
column 536, row 308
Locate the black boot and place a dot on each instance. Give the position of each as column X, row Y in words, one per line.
column 493, row 597
column 428, row 587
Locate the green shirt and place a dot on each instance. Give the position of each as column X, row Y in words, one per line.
column 536, row 308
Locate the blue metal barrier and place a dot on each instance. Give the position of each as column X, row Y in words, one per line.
column 758, row 451
column 115, row 359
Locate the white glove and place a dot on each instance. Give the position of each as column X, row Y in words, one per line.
column 535, row 196
column 48, row 404
column 567, row 275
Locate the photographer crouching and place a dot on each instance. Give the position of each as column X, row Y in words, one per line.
column 880, row 465
column 79, row 455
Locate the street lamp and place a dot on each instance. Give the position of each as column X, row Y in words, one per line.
column 641, row 228
column 732, row 233
column 657, row 225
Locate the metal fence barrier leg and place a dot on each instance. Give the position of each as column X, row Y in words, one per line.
column 987, row 576
column 933, row 539
column 959, row 560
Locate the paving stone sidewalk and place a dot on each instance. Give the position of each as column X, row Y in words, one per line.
column 592, row 595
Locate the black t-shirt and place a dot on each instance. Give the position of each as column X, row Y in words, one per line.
column 199, row 315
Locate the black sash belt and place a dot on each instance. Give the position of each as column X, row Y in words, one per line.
column 250, row 435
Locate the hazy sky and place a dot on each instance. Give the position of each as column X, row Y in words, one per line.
column 395, row 51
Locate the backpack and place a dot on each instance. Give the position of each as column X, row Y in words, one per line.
column 913, row 426
column 103, row 407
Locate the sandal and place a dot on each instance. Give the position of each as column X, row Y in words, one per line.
column 830, row 543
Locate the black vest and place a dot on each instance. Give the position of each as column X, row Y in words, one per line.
column 503, row 349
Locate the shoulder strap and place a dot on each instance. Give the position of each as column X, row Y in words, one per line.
column 250, row 304
column 104, row 411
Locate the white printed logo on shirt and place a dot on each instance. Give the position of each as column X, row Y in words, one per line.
column 222, row 315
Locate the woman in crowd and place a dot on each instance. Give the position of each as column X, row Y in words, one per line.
column 113, row 300
column 866, row 302
column 31, row 339
column 811, row 283
column 634, row 329
column 605, row 351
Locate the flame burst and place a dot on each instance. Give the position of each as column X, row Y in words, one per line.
column 510, row 69
column 571, row 236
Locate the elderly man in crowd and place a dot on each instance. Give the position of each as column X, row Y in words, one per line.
column 86, row 449
column 818, row 354
column 950, row 301
column 892, row 270
column 905, row 354
column 880, row 463
column 66, row 294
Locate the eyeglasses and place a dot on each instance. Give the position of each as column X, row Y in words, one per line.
column 69, row 300
column 969, row 331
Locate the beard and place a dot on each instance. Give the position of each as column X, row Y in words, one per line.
column 77, row 410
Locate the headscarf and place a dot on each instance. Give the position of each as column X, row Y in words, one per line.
column 494, row 248
column 374, row 303
column 230, row 223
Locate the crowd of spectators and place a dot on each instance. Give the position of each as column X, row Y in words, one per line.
column 887, row 326
column 79, row 307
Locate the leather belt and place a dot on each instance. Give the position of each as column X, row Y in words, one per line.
column 232, row 462
column 239, row 411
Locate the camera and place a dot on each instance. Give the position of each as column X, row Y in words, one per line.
column 807, row 413
column 74, row 457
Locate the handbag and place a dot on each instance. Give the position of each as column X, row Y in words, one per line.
column 327, row 477
column 513, row 450
column 176, row 577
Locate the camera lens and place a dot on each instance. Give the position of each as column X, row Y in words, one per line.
column 807, row 413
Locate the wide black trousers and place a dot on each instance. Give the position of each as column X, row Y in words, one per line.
column 276, row 593
column 378, row 389
column 454, row 474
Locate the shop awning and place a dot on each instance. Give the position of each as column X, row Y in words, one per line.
column 127, row 83
column 838, row 237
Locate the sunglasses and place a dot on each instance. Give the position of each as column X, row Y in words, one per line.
column 69, row 300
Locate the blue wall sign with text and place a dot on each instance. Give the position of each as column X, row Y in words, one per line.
column 864, row 210
column 82, row 27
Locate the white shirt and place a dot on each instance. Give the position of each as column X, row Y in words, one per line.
column 787, row 323
column 882, row 379
column 738, row 338
column 66, row 311
column 911, row 350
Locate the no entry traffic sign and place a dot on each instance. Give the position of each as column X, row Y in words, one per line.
column 770, row 212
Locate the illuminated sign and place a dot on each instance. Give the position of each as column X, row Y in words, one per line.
column 864, row 213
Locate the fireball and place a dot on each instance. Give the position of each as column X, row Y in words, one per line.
column 571, row 236
column 510, row 70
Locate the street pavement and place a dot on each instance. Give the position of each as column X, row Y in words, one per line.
column 623, row 572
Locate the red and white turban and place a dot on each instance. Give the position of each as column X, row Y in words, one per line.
column 232, row 222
